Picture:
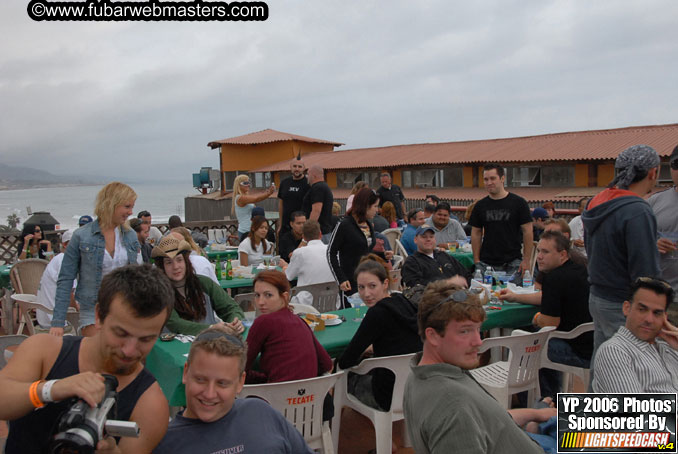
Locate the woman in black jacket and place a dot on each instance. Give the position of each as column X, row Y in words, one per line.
column 353, row 238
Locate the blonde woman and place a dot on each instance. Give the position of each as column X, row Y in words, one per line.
column 356, row 187
column 243, row 202
column 95, row 250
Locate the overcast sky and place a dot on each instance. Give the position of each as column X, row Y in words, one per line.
column 136, row 99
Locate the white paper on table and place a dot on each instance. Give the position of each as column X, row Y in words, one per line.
column 487, row 287
column 520, row 290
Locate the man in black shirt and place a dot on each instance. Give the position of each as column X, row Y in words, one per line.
column 564, row 304
column 428, row 264
column 291, row 239
column 318, row 201
column 497, row 223
column 388, row 192
column 291, row 195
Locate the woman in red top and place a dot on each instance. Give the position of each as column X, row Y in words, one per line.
column 288, row 348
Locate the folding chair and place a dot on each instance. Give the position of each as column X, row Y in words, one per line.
column 325, row 295
column 392, row 235
column 581, row 372
column 382, row 421
column 521, row 372
column 301, row 403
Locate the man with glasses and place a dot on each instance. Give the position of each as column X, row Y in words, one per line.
column 214, row 420
column 665, row 207
column 446, row 410
column 642, row 357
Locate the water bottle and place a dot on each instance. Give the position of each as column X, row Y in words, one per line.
column 527, row 279
column 489, row 272
column 478, row 276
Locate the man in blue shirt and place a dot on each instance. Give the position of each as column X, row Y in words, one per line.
column 415, row 218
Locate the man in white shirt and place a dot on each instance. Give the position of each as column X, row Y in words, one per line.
column 309, row 263
column 577, row 228
column 48, row 282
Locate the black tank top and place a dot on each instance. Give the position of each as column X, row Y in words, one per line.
column 33, row 432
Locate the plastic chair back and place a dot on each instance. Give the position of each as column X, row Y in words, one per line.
column 400, row 249
column 382, row 421
column 398, row 261
column 245, row 301
column 392, row 235
column 301, row 403
column 581, row 372
column 325, row 295
column 25, row 275
column 9, row 341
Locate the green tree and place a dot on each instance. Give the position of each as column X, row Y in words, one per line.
column 13, row 220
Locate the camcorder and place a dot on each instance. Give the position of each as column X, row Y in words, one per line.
column 81, row 427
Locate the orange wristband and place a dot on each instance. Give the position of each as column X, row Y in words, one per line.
column 534, row 319
column 33, row 394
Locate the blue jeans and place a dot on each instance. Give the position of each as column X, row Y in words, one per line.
column 547, row 436
column 607, row 318
column 559, row 352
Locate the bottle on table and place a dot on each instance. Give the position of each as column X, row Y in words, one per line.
column 527, row 279
column 217, row 267
column 229, row 270
column 478, row 276
column 489, row 274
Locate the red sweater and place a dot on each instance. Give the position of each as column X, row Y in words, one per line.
column 289, row 350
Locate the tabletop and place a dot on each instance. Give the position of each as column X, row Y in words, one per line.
column 223, row 255
column 166, row 360
column 465, row 258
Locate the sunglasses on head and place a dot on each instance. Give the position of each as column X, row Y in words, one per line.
column 458, row 296
column 674, row 164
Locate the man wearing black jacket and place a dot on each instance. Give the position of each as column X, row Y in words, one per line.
column 428, row 264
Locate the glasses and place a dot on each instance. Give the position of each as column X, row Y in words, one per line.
column 37, row 231
column 458, row 296
column 244, row 183
column 674, row 164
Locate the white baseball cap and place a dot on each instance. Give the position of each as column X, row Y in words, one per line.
column 66, row 236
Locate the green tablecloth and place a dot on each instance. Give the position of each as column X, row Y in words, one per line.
column 236, row 282
column 166, row 360
column 4, row 276
column 465, row 258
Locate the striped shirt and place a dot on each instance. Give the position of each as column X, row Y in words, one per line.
column 626, row 364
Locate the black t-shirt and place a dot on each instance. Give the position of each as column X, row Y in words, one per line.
column 501, row 221
column 565, row 294
column 292, row 194
column 288, row 243
column 393, row 195
column 320, row 192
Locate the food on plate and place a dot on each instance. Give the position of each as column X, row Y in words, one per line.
column 329, row 316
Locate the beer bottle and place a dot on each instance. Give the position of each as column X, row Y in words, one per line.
column 217, row 267
column 229, row 270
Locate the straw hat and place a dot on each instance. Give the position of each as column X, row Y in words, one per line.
column 170, row 246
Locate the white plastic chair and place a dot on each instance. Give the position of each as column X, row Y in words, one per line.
column 9, row 341
column 211, row 236
column 521, row 372
column 28, row 303
column 298, row 308
column 400, row 249
column 392, row 235
column 325, row 295
column 382, row 421
column 398, row 261
column 568, row 371
column 301, row 403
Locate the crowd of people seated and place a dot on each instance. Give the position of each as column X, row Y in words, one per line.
column 608, row 265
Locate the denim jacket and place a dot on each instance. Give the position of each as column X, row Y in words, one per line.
column 84, row 259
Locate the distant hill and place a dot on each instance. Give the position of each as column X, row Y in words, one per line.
column 14, row 177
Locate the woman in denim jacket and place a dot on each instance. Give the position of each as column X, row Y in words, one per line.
column 96, row 249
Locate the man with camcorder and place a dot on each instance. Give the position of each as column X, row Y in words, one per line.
column 50, row 376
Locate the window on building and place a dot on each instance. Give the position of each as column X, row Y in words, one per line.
column 453, row 177
column 406, row 178
column 557, row 176
column 260, row 180
column 665, row 173
column 348, row 179
column 523, row 176
column 229, row 178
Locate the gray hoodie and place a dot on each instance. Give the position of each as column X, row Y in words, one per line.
column 620, row 236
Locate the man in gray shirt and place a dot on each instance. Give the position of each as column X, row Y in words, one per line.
column 446, row 410
column 447, row 229
column 214, row 420
column 665, row 207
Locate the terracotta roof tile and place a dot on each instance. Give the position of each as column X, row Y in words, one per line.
column 568, row 146
column 267, row 136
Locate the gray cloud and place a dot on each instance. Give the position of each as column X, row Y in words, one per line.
column 138, row 99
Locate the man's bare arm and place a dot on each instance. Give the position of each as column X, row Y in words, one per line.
column 316, row 209
column 476, row 242
column 528, row 245
column 151, row 413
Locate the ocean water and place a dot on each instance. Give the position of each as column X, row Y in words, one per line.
column 67, row 204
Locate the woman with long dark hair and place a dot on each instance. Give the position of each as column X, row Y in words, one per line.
column 197, row 298
column 96, row 249
column 33, row 245
column 352, row 238
column 252, row 249
column 289, row 349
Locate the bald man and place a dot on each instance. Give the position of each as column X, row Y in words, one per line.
column 318, row 202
